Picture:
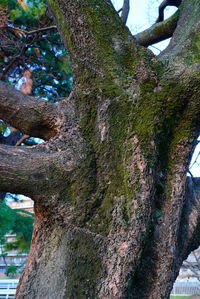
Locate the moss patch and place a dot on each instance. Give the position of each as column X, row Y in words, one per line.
column 84, row 267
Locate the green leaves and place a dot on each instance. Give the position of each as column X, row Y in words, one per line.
column 7, row 220
column 3, row 126
column 30, row 17
column 15, row 222
column 11, row 271
column 43, row 51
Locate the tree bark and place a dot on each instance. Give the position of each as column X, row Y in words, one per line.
column 115, row 214
column 158, row 32
column 30, row 115
column 125, row 11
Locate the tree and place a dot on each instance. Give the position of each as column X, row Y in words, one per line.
column 115, row 214
column 11, row 271
column 29, row 40
column 19, row 223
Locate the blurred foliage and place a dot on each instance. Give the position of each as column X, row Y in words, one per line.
column 11, row 271
column 3, row 126
column 43, row 52
column 30, row 17
column 7, row 221
column 15, row 222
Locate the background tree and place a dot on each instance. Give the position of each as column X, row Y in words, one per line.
column 113, row 205
column 28, row 40
column 19, row 223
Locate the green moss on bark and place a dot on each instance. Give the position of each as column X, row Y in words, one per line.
column 83, row 268
column 194, row 52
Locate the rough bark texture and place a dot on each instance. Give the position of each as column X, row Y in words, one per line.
column 35, row 117
column 115, row 214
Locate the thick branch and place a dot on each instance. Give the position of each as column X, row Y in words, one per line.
column 158, row 32
column 125, row 11
column 21, row 170
column 33, row 171
column 34, row 117
column 93, row 33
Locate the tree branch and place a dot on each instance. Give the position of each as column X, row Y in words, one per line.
column 22, row 139
column 93, row 33
column 21, row 170
column 34, row 171
column 33, row 117
column 22, row 32
column 158, row 32
column 125, row 11
column 35, row 31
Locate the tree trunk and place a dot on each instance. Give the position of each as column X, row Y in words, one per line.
column 115, row 214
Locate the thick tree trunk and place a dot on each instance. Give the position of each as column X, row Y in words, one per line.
column 115, row 214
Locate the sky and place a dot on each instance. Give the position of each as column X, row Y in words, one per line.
column 143, row 14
